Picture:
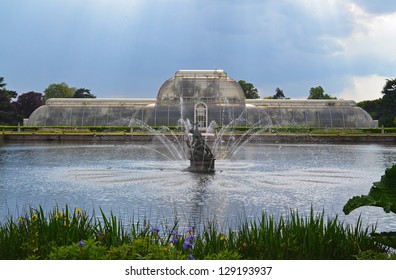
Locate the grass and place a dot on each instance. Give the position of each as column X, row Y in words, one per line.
column 73, row 234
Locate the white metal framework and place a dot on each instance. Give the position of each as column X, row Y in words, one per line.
column 201, row 115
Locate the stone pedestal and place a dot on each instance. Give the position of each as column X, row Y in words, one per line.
column 206, row 165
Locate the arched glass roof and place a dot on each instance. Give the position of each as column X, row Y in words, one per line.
column 196, row 84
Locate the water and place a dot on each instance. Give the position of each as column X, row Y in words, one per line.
column 137, row 181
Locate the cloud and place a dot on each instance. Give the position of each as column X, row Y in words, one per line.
column 128, row 48
column 373, row 35
column 363, row 88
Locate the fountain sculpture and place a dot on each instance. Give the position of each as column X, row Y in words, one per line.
column 202, row 159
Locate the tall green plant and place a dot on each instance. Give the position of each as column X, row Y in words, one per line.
column 382, row 194
column 72, row 234
column 296, row 237
column 112, row 231
column 34, row 234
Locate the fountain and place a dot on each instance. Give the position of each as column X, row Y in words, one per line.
column 202, row 159
column 202, row 148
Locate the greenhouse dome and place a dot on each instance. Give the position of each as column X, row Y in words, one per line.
column 205, row 97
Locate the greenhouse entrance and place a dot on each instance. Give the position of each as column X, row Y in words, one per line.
column 200, row 116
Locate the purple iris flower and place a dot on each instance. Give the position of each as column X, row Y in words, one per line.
column 174, row 240
column 187, row 245
column 190, row 238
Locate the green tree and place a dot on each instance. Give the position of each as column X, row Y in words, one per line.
column 278, row 94
column 318, row 93
column 2, row 84
column 9, row 93
column 7, row 110
column 371, row 107
column 387, row 108
column 61, row 90
column 7, row 114
column 383, row 109
column 83, row 93
column 250, row 91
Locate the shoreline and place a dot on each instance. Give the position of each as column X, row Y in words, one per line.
column 260, row 138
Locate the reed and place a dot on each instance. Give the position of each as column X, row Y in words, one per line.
column 310, row 237
column 73, row 234
column 34, row 234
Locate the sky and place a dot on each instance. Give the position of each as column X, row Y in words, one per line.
column 128, row 48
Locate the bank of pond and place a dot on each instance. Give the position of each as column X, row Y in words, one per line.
column 261, row 134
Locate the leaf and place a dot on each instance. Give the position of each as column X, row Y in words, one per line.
column 386, row 238
column 382, row 194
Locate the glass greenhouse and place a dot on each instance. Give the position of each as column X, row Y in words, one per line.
column 205, row 97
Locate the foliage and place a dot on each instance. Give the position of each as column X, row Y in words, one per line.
column 12, row 112
column 372, row 255
column 28, row 102
column 61, row 90
column 379, row 130
column 180, row 129
column 177, row 129
column 372, row 107
column 250, row 91
column 72, row 234
column 383, row 109
column 90, row 129
column 8, row 93
column 382, row 194
column 82, row 250
column 318, row 93
column 389, row 87
column 111, row 231
column 293, row 237
column 83, row 93
column 7, row 110
column 2, row 83
column 388, row 104
column 33, row 235
column 279, row 94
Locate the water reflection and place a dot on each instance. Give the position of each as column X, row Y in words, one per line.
column 138, row 181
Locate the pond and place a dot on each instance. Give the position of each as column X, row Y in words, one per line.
column 138, row 181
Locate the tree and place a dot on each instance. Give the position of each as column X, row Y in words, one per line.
column 2, row 84
column 9, row 93
column 7, row 114
column 383, row 109
column 83, row 93
column 387, row 108
column 371, row 107
column 318, row 93
column 389, row 87
column 278, row 94
column 61, row 90
column 250, row 91
column 7, row 111
column 27, row 103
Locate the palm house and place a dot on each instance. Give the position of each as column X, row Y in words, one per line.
column 205, row 97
